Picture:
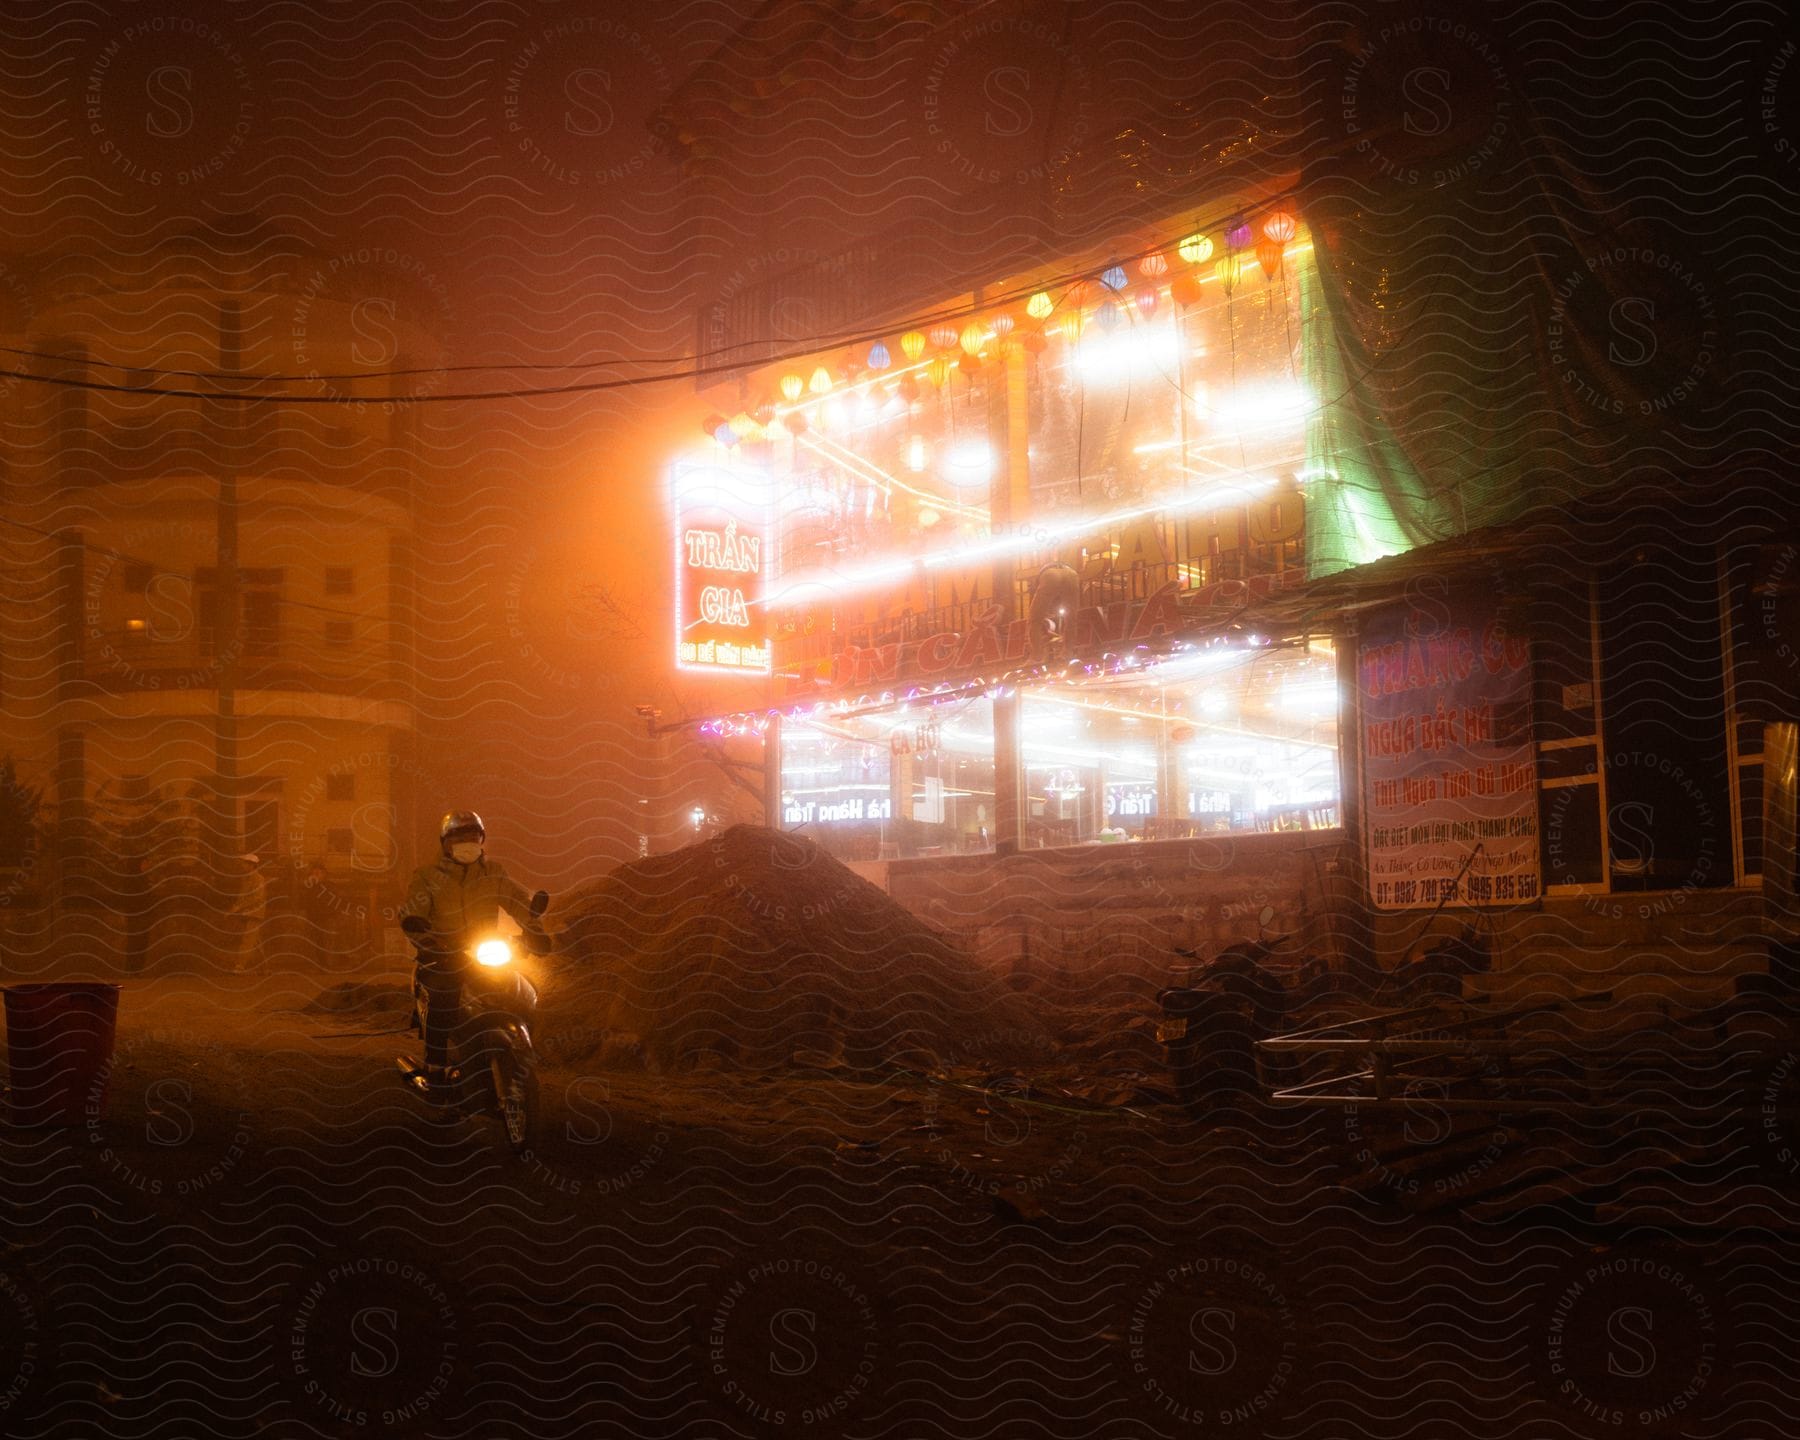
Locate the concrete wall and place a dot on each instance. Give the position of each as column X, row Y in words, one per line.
column 1101, row 914
column 1129, row 907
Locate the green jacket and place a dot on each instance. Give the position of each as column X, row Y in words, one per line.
column 461, row 901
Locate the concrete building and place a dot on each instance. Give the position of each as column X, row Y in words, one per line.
column 150, row 715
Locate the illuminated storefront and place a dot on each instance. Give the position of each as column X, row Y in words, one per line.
column 1005, row 559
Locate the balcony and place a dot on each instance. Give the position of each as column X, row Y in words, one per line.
column 1132, row 585
column 133, row 660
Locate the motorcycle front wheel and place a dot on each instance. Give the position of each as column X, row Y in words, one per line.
column 516, row 1101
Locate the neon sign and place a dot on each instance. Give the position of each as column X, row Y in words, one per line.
column 721, row 563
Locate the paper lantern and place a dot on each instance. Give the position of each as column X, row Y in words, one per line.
column 1039, row 305
column 1071, row 324
column 745, row 425
column 912, row 344
column 968, row 365
column 1146, row 303
column 791, row 386
column 878, row 356
column 945, row 337
column 1268, row 255
column 972, row 338
column 710, row 425
column 938, row 372
column 795, row 420
column 1109, row 317
column 1280, row 227
column 726, row 436
column 1003, row 325
column 820, row 383
column 1195, row 249
column 1228, row 270
column 1237, row 234
column 1153, row 267
column 1114, row 277
column 1184, row 290
column 908, row 388
column 1034, row 342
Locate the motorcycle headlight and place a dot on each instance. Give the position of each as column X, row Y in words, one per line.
column 493, row 952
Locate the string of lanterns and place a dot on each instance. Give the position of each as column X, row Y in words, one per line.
column 932, row 356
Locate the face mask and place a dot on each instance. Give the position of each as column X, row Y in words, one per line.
column 465, row 854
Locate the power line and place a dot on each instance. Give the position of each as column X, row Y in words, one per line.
column 689, row 371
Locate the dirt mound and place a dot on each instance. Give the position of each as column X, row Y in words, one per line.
column 756, row 949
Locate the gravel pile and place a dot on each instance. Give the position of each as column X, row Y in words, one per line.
column 757, row 949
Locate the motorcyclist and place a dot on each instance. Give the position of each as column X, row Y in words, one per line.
column 460, row 896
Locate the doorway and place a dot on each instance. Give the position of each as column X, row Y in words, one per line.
column 1665, row 754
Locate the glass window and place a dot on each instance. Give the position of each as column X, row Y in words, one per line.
column 1209, row 744
column 913, row 780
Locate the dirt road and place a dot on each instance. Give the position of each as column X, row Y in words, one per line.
column 266, row 1235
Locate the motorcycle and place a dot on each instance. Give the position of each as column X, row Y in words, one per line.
column 493, row 1062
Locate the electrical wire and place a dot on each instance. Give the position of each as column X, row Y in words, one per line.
column 689, row 371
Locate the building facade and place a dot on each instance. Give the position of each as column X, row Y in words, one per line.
column 172, row 724
column 1078, row 621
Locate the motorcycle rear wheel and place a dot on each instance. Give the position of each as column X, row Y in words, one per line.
column 516, row 1103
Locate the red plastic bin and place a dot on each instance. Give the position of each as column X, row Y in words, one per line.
column 59, row 1040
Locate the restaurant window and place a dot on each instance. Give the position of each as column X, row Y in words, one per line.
column 909, row 781
column 1214, row 743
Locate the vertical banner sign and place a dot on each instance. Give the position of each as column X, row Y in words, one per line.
column 722, row 562
column 1448, row 768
